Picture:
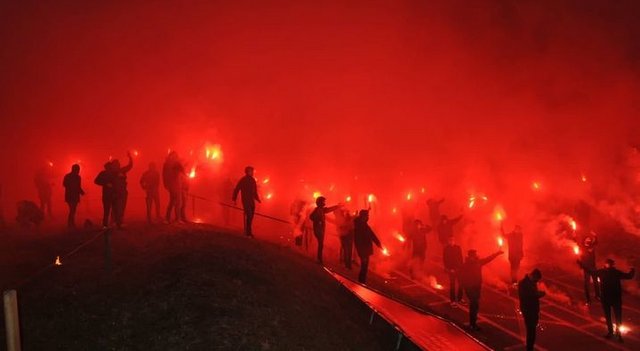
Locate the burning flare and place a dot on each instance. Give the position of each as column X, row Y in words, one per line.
column 576, row 250
column 192, row 174
column 57, row 261
column 400, row 238
column 500, row 241
column 385, row 251
column 371, row 198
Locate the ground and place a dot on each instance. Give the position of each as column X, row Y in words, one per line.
column 190, row 287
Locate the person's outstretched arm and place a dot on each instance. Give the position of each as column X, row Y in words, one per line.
column 374, row 237
column 490, row 258
column 629, row 275
column 129, row 165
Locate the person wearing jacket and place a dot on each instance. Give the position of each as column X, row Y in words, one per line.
column 248, row 188
column 472, row 283
column 105, row 180
column 529, row 296
column 72, row 191
column 317, row 216
column 611, row 293
column 364, row 238
column 452, row 257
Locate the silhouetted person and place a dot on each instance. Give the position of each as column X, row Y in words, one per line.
column 44, row 186
column 105, row 179
column 317, row 216
column 516, row 251
column 588, row 259
column 472, row 283
column 248, row 188
column 364, row 238
column 120, row 188
column 530, row 304
column 150, row 183
column 418, row 239
column 610, row 284
column 452, row 257
column 434, row 211
column 445, row 228
column 72, row 192
column 172, row 170
column 344, row 222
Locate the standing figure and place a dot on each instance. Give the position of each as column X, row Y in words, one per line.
column 516, row 251
column 120, row 188
column 530, row 304
column 344, row 222
column 452, row 256
column 105, row 179
column 418, row 239
column 588, row 259
column 72, row 192
column 472, row 283
column 249, row 188
column 44, row 185
column 434, row 211
column 317, row 216
column 610, row 283
column 150, row 183
column 445, row 228
column 364, row 238
column 172, row 170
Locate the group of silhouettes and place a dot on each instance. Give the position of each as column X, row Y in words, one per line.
column 113, row 181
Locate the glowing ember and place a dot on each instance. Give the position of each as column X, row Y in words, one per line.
column 400, row 237
column 348, row 199
column 623, row 329
column 385, row 251
column 500, row 241
column 573, row 224
column 576, row 249
column 58, row 262
column 213, row 152
column 316, row 194
column 192, row 174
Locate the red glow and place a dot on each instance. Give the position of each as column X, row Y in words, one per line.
column 192, row 174
column 576, row 250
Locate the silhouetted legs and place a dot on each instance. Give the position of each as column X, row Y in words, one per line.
column 531, row 323
column 588, row 276
column 320, row 238
column 249, row 212
column 174, row 205
column 364, row 267
column 515, row 268
column 473, row 294
column 71, row 221
column 453, row 278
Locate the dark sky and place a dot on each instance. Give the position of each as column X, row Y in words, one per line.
column 460, row 92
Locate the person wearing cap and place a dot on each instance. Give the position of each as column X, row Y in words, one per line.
column 530, row 304
column 364, row 238
column 588, row 259
column 317, row 216
column 471, row 280
column 610, row 283
column 248, row 188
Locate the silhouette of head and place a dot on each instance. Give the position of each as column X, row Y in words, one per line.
column 116, row 164
column 172, row 156
column 107, row 166
column 451, row 240
column 472, row 253
column 152, row 166
column 363, row 215
column 321, row 201
column 535, row 275
column 249, row 171
column 610, row 263
column 75, row 169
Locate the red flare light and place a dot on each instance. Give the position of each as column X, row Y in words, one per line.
column 536, row 186
column 213, row 152
column 371, row 198
column 385, row 251
column 269, row 196
column 576, row 250
column 500, row 241
column 394, row 210
column 57, row 261
column 265, row 181
column 583, row 178
column 50, row 164
column 409, row 196
column 135, row 153
column 400, row 238
column 192, row 174
column 573, row 224
column 316, row 194
column 348, row 198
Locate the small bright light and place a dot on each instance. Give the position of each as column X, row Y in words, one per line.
column 573, row 224
column 583, row 178
column 50, row 164
column 316, row 194
column 371, row 198
column 385, row 251
column 394, row 210
column 265, row 181
column 192, row 174
column 57, row 261
column 576, row 249
column 423, row 190
column 400, row 237
column 500, row 241
column 136, row 153
column 269, row 196
column 409, row 196
column 348, row 199
column 536, row 186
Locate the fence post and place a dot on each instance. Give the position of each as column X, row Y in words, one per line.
column 107, row 251
column 11, row 320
